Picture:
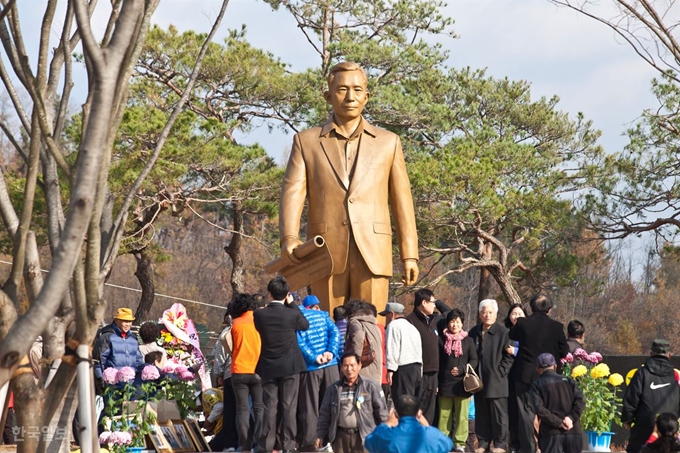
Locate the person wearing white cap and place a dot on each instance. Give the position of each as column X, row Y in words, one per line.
column 404, row 352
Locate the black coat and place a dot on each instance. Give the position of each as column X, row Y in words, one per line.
column 280, row 355
column 453, row 385
column 653, row 389
column 494, row 363
column 537, row 334
column 554, row 397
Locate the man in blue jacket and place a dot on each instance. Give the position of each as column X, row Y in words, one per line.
column 116, row 346
column 407, row 431
column 319, row 345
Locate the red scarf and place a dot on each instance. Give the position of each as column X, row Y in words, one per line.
column 453, row 342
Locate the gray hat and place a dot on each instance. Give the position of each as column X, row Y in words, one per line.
column 661, row 347
column 393, row 307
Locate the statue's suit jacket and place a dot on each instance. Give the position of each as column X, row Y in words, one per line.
column 316, row 171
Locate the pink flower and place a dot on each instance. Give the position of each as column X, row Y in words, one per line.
column 186, row 376
column 168, row 369
column 180, row 369
column 126, row 374
column 591, row 358
column 110, row 376
column 580, row 354
column 120, row 438
column 569, row 358
column 104, row 436
column 597, row 356
column 150, row 373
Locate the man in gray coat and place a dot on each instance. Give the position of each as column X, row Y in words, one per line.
column 351, row 409
column 491, row 404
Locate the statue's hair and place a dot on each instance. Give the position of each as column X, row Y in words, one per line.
column 345, row 66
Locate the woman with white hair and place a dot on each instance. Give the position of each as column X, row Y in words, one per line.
column 491, row 340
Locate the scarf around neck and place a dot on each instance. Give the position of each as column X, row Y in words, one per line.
column 453, row 342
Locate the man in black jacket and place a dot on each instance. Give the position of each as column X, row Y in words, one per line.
column 491, row 404
column 280, row 364
column 537, row 334
column 652, row 390
column 425, row 320
column 559, row 403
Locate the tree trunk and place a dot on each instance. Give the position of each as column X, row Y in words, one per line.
column 31, row 399
column 234, row 252
column 505, row 282
column 144, row 274
column 485, row 274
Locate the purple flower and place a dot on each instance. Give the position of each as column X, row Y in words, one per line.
column 110, row 376
column 591, row 358
column 569, row 358
column 150, row 373
column 180, row 369
column 104, row 436
column 597, row 356
column 120, row 438
column 580, row 354
column 126, row 374
column 186, row 376
column 167, row 369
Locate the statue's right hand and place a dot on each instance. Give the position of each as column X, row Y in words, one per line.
column 287, row 246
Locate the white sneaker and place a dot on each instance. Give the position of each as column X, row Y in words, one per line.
column 326, row 448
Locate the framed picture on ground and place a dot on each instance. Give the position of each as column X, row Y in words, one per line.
column 196, row 434
column 182, row 433
column 160, row 444
column 171, row 437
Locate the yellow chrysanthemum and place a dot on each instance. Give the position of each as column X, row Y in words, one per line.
column 579, row 370
column 616, row 379
column 599, row 371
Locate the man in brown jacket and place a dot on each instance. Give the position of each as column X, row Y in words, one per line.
column 350, row 172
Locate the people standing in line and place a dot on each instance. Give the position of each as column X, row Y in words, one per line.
column 536, row 334
column 319, row 346
column 246, row 382
column 576, row 335
column 404, row 352
column 667, row 432
column 351, row 409
column 363, row 324
column 425, row 320
column 558, row 403
column 515, row 312
column 652, row 389
column 456, row 352
column 279, row 364
column 491, row 404
column 407, row 431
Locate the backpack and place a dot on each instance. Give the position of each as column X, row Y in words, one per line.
column 368, row 355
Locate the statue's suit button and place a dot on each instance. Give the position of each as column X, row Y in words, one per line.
column 351, row 200
column 345, row 222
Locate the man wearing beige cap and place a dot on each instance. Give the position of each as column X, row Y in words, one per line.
column 116, row 346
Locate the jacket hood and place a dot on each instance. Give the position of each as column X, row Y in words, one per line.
column 659, row 366
column 365, row 318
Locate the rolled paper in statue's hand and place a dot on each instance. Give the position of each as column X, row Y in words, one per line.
column 300, row 252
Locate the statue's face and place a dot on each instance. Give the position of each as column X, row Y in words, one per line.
column 347, row 95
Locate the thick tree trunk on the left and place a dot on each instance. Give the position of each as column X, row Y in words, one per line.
column 234, row 250
column 144, row 274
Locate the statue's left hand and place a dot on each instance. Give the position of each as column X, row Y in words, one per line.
column 410, row 272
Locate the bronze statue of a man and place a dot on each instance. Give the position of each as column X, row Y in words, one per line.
column 351, row 173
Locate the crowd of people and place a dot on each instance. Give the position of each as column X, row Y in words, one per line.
column 348, row 384
column 291, row 378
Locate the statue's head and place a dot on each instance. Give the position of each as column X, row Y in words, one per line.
column 347, row 90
